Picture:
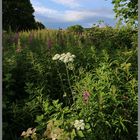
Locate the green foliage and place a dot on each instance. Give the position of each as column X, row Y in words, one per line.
column 98, row 88
column 107, row 110
column 76, row 28
column 18, row 15
column 126, row 10
column 40, row 25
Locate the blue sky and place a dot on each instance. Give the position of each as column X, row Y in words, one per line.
column 64, row 13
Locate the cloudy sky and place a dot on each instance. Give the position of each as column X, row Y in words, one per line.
column 64, row 13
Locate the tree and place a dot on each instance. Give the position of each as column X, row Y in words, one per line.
column 126, row 10
column 76, row 28
column 39, row 25
column 18, row 15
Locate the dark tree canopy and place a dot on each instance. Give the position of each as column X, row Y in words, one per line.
column 39, row 25
column 18, row 15
column 126, row 10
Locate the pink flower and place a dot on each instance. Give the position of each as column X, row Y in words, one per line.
column 18, row 50
column 86, row 95
column 31, row 37
column 15, row 38
column 49, row 44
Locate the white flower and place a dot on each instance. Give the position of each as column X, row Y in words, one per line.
column 71, row 59
column 79, row 124
column 64, row 57
column 56, row 57
column 68, row 54
column 63, row 54
column 73, row 56
column 29, row 132
column 66, row 60
column 54, row 136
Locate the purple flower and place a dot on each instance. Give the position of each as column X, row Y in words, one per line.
column 86, row 95
column 18, row 50
column 49, row 44
column 31, row 37
column 15, row 38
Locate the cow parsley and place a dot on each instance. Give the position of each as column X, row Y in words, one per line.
column 64, row 57
column 79, row 124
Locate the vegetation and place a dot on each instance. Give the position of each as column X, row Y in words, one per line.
column 126, row 10
column 76, row 28
column 73, row 84
column 63, row 85
column 18, row 15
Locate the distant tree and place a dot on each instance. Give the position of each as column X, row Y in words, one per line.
column 76, row 28
column 126, row 10
column 39, row 25
column 18, row 15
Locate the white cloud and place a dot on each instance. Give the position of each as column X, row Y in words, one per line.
column 72, row 12
column 72, row 15
column 68, row 3
column 45, row 11
column 34, row 2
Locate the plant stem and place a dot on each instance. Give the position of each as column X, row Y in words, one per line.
column 69, row 80
column 61, row 80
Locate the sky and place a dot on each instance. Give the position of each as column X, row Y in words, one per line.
column 63, row 13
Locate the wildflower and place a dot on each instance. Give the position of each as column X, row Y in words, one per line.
column 70, row 66
column 56, row 57
column 79, row 124
column 54, row 136
column 71, row 59
column 73, row 56
column 28, row 133
column 23, row 133
column 49, row 44
column 68, row 54
column 18, row 50
column 64, row 57
column 15, row 38
column 31, row 37
column 86, row 96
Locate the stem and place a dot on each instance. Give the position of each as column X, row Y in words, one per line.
column 61, row 80
column 69, row 80
column 74, row 75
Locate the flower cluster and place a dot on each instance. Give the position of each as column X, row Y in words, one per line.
column 29, row 132
column 86, row 96
column 64, row 57
column 79, row 124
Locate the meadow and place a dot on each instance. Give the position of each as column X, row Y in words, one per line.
column 64, row 85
